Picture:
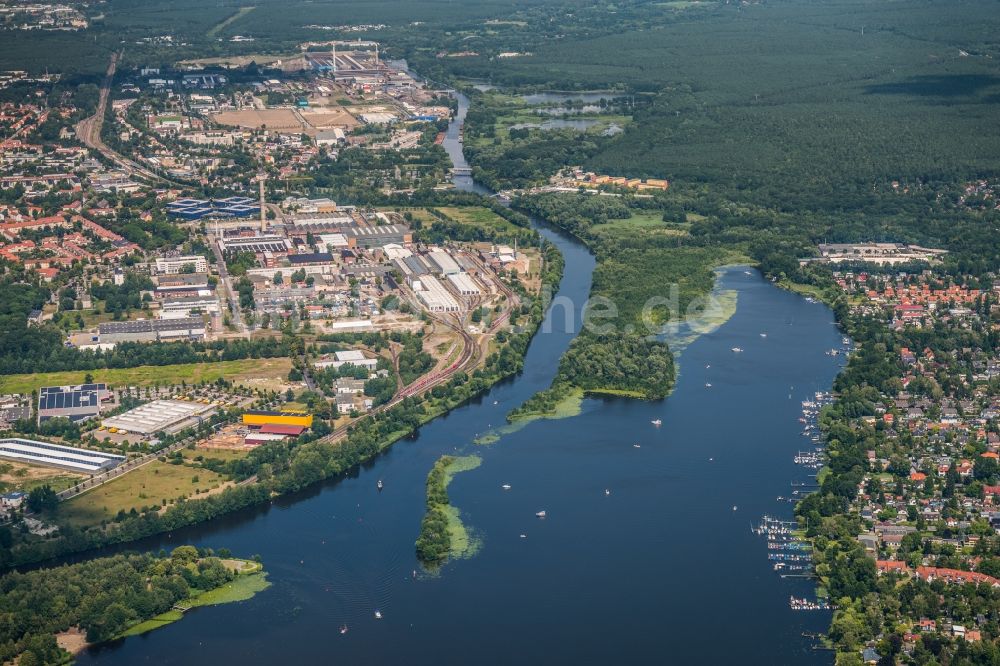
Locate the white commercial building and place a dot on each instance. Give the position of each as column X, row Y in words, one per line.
column 444, row 262
column 168, row 416
column 463, row 284
column 55, row 455
column 434, row 295
column 350, row 356
column 172, row 265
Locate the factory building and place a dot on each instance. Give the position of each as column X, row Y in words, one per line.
column 267, row 418
column 170, row 265
column 152, row 330
column 76, row 403
column 348, row 357
column 463, row 284
column 369, row 237
column 256, row 244
column 443, row 262
column 166, row 416
column 310, row 259
column 433, row 295
column 176, row 283
column 55, row 455
column 188, row 306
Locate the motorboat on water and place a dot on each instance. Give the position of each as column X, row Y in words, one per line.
column 506, row 486
column 657, row 422
column 379, row 485
column 763, row 335
column 737, row 350
column 540, row 514
column 707, row 385
column 607, row 491
column 636, row 446
column 378, row 615
column 734, row 507
column 343, row 629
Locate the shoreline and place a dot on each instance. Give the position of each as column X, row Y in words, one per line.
column 250, row 580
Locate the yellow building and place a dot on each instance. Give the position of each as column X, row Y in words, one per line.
column 260, row 418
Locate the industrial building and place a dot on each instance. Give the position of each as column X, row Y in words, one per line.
column 369, row 237
column 181, row 308
column 170, row 265
column 267, row 418
column 433, row 295
column 256, row 244
column 76, row 403
column 463, row 284
column 443, row 262
column 310, row 258
column 350, row 356
column 166, row 416
column 152, row 330
column 176, row 283
column 55, row 455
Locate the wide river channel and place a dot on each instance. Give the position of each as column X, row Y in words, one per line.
column 645, row 554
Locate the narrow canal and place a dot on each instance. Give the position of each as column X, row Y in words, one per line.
column 645, row 553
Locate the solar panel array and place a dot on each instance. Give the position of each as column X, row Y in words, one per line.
column 70, row 397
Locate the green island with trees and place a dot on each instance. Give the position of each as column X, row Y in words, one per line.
column 106, row 598
column 442, row 534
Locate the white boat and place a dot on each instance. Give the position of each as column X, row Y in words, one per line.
column 737, row 350
column 343, row 629
column 524, row 536
column 657, row 422
column 636, row 446
column 506, row 486
column 540, row 514
column 379, row 484
column 607, row 491
column 378, row 615
column 763, row 335
column 734, row 507
column 747, row 273
column 707, row 385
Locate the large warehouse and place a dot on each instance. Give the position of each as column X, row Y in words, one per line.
column 152, row 330
column 166, row 416
column 434, row 295
column 55, row 455
column 256, row 417
column 76, row 403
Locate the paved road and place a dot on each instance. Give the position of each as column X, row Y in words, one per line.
column 227, row 287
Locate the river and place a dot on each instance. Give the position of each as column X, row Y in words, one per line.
column 663, row 569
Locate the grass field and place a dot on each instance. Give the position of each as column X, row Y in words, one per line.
column 645, row 220
column 19, row 476
column 241, row 371
column 149, row 485
column 479, row 217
